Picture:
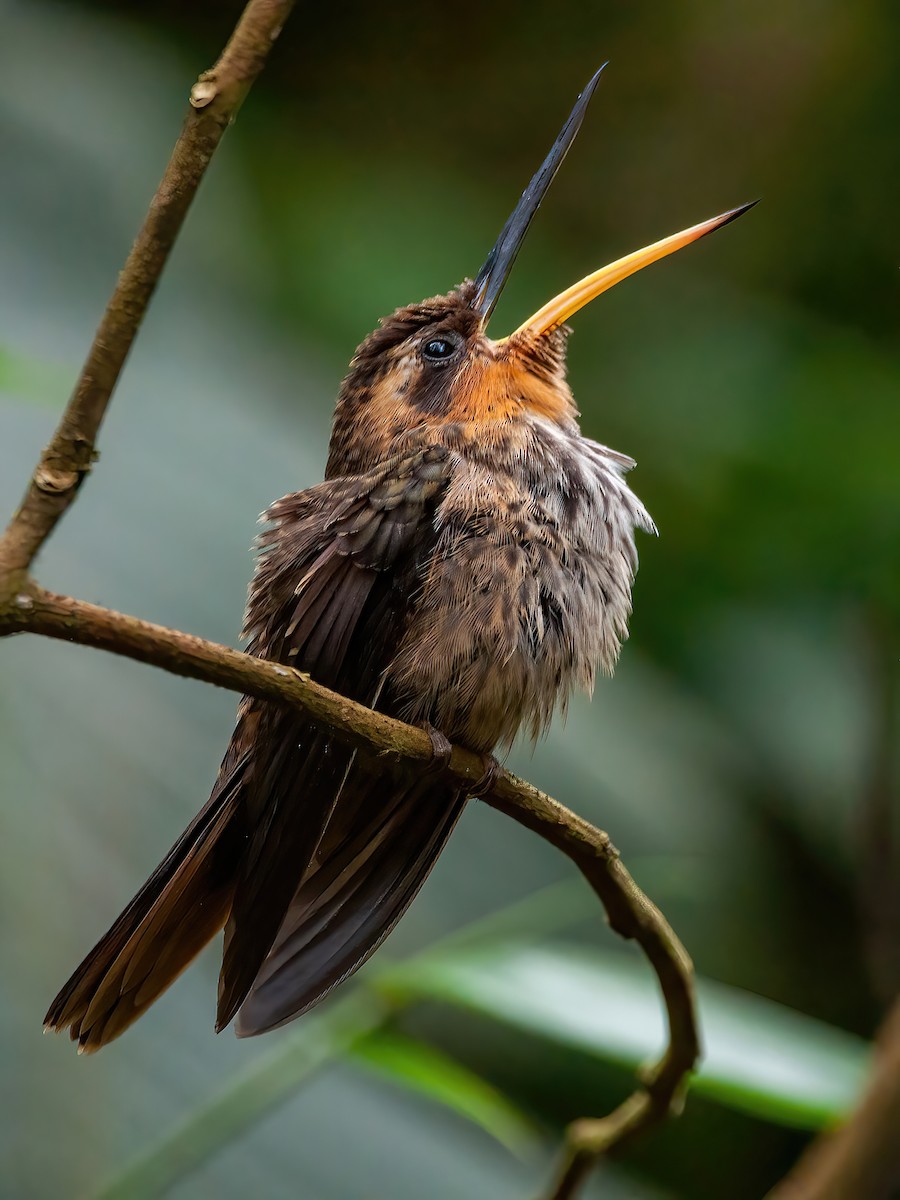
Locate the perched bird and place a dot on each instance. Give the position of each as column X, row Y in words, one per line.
column 466, row 563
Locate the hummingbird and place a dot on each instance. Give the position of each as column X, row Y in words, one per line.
column 466, row 564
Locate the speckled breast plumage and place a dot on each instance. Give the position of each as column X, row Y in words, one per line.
column 528, row 589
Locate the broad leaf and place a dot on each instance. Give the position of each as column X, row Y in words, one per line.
column 760, row 1057
column 421, row 1068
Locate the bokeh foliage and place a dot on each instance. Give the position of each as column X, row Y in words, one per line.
column 742, row 757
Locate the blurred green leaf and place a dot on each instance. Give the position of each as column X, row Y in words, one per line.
column 349, row 1028
column 760, row 1057
column 247, row 1097
column 421, row 1068
column 535, row 916
column 32, row 379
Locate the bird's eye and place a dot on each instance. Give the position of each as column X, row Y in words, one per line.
column 439, row 350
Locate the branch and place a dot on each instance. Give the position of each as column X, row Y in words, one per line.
column 25, row 607
column 861, row 1160
column 878, row 831
column 628, row 910
column 215, row 99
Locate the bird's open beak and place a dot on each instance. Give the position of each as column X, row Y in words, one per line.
column 498, row 264
column 561, row 307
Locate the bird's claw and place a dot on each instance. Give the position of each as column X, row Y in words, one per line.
column 488, row 779
column 441, row 749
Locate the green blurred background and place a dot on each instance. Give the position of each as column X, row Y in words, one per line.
column 745, row 756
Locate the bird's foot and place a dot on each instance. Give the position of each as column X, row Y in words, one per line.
column 441, row 749
column 491, row 770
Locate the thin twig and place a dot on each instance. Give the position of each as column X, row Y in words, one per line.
column 861, row 1159
column 215, row 99
column 664, row 1084
column 25, row 607
column 878, row 830
column 629, row 911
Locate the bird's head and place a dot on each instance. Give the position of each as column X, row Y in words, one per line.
column 434, row 362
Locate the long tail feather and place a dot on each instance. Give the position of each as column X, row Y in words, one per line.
column 182, row 905
column 350, row 901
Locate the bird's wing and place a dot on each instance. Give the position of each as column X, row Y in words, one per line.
column 335, row 577
column 349, row 903
column 334, row 584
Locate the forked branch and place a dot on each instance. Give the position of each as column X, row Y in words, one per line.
column 628, row 910
column 27, row 608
